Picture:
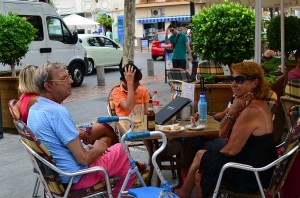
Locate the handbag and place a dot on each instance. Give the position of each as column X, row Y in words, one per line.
column 168, row 50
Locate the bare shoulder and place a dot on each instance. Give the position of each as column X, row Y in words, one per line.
column 257, row 110
column 259, row 114
column 257, row 106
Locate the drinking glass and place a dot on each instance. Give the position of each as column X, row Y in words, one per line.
column 137, row 116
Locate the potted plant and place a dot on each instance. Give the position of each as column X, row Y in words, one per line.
column 291, row 36
column 224, row 33
column 16, row 33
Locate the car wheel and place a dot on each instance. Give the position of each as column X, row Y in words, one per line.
column 76, row 71
column 91, row 67
column 154, row 58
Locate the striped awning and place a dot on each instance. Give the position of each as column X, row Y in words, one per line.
column 163, row 19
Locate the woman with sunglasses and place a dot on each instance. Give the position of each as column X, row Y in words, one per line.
column 250, row 142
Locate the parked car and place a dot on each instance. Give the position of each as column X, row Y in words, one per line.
column 100, row 51
column 159, row 45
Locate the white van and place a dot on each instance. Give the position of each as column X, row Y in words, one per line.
column 54, row 41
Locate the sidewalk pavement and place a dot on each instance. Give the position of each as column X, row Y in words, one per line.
column 17, row 178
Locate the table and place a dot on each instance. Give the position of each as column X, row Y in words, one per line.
column 211, row 130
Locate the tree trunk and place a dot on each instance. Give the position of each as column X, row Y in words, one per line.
column 13, row 70
column 129, row 29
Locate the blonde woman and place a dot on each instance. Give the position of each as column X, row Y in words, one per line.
column 29, row 92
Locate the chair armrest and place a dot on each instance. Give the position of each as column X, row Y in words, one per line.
column 280, row 145
column 250, row 168
column 176, row 81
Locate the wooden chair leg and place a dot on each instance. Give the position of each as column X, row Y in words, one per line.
column 158, row 181
column 149, row 181
column 173, row 171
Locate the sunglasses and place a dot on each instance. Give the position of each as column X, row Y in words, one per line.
column 172, row 30
column 239, row 79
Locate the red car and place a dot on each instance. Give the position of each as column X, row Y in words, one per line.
column 159, row 46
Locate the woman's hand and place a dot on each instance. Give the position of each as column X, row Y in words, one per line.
column 240, row 103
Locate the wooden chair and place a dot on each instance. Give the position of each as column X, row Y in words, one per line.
column 209, row 68
column 175, row 78
column 292, row 89
column 179, row 74
column 272, row 101
column 288, row 151
column 287, row 102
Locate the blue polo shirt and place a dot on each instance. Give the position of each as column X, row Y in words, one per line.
column 179, row 52
column 55, row 128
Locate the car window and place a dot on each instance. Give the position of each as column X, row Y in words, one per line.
column 36, row 21
column 57, row 30
column 108, row 43
column 100, row 40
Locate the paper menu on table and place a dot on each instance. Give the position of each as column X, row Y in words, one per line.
column 188, row 90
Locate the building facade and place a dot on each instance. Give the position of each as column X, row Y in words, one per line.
column 90, row 9
column 152, row 16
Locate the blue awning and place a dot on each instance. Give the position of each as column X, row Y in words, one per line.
column 163, row 19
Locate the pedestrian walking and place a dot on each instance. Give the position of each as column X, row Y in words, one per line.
column 181, row 47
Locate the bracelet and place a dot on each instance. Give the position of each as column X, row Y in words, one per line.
column 229, row 117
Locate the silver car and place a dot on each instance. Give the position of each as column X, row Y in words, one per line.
column 100, row 51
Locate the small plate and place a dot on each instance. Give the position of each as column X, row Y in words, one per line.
column 199, row 127
column 161, row 128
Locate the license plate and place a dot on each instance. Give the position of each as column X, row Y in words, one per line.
column 165, row 45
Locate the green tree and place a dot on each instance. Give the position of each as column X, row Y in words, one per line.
column 224, row 33
column 104, row 21
column 16, row 34
column 291, row 33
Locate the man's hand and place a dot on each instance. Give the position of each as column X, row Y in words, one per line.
column 100, row 145
column 129, row 74
column 190, row 57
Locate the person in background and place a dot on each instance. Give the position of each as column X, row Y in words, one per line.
column 29, row 92
column 250, row 141
column 268, row 54
column 295, row 73
column 181, row 47
column 130, row 91
column 108, row 34
column 54, row 127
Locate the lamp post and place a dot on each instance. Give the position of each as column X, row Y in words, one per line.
column 194, row 56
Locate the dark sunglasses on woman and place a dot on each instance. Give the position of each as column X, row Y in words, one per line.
column 239, row 79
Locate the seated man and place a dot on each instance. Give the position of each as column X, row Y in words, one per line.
column 130, row 91
column 54, row 127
